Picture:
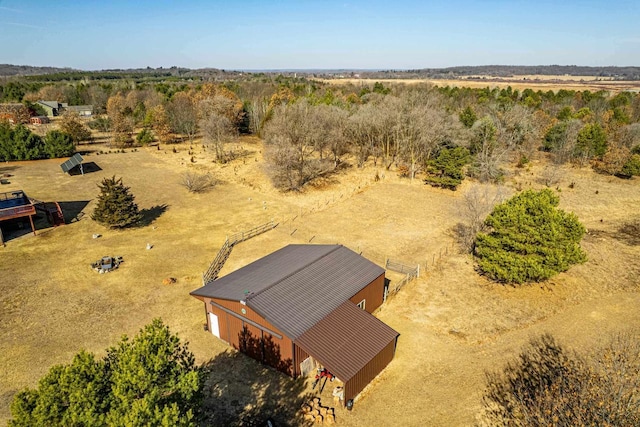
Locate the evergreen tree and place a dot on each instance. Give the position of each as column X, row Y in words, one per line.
column 531, row 239
column 149, row 380
column 468, row 117
column 446, row 170
column 631, row 167
column 592, row 141
column 116, row 207
column 58, row 144
column 19, row 143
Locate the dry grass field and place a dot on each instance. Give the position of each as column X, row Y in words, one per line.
column 453, row 324
column 535, row 82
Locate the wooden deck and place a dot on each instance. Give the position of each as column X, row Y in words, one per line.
column 15, row 204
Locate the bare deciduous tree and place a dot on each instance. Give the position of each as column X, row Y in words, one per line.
column 489, row 154
column 73, row 126
column 218, row 130
column 258, row 108
column 548, row 385
column 477, row 204
column 423, row 127
column 182, row 115
column 122, row 121
column 363, row 131
column 518, row 130
column 293, row 136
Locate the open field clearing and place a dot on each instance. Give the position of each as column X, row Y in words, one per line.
column 453, row 324
column 534, row 82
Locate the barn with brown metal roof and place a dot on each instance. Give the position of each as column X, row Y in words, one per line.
column 304, row 306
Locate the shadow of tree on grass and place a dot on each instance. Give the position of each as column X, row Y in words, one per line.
column 151, row 214
column 629, row 233
column 240, row 391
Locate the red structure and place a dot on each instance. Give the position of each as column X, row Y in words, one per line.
column 16, row 204
column 39, row 120
column 304, row 307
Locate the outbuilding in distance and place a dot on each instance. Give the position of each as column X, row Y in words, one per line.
column 304, row 304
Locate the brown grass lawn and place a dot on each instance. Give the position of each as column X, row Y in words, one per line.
column 454, row 325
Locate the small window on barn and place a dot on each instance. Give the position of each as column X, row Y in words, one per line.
column 362, row 303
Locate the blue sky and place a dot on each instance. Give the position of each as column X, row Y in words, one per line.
column 318, row 34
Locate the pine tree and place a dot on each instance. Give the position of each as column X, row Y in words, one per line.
column 58, row 144
column 150, row 380
column 531, row 239
column 468, row 117
column 116, row 207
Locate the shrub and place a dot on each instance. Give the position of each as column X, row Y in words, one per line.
column 145, row 137
column 546, row 385
column 102, row 124
column 116, row 207
column 631, row 167
column 198, row 183
column 149, row 380
column 531, row 239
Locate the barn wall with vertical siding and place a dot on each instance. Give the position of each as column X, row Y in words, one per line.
column 231, row 328
column 365, row 375
column 373, row 293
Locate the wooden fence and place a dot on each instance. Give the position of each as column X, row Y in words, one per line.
column 246, row 235
column 410, row 272
column 224, row 252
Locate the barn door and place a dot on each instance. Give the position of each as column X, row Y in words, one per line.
column 213, row 325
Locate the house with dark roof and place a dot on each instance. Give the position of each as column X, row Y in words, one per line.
column 52, row 108
column 81, row 110
column 302, row 307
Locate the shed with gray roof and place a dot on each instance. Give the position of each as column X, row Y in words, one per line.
column 305, row 306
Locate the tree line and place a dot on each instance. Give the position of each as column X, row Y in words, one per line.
column 439, row 134
column 20, row 143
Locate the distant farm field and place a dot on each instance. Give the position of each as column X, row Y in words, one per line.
column 535, row 82
column 454, row 325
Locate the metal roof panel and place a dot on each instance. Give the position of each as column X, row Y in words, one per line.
column 346, row 340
